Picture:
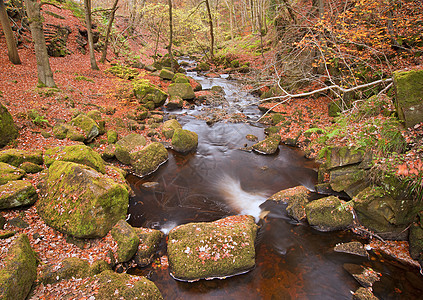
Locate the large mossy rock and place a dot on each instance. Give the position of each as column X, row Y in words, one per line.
column 127, row 241
column 16, row 157
column 175, row 102
column 184, row 141
column 149, row 159
column 409, row 96
column 9, row 173
column 69, row 267
column 344, row 156
column 8, row 130
column 16, row 194
column 149, row 243
column 128, row 144
column 88, row 126
column 381, row 213
column 169, row 128
column 208, row 250
column 269, row 145
column 183, row 90
column 80, row 154
column 146, row 92
column 81, row 202
column 329, row 213
column 19, row 270
column 351, row 179
column 62, row 131
column 296, row 198
column 166, row 74
column 113, row 286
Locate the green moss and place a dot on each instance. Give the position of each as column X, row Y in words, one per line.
column 169, row 128
column 30, row 167
column 98, row 266
column 83, row 78
column 123, row 72
column 112, row 136
column 127, row 144
column 146, row 92
column 183, row 90
column 184, row 141
column 71, row 267
column 269, row 145
column 16, row 157
column 17, row 193
column 88, row 126
column 9, row 173
column 127, row 241
column 148, row 159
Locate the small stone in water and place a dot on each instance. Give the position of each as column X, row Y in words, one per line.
column 355, row 248
column 150, row 184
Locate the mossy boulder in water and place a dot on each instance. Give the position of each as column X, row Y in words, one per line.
column 8, row 130
column 184, row 141
column 9, row 173
column 88, row 126
column 149, row 240
column 16, row 194
column 113, row 286
column 409, row 96
column 81, row 202
column 183, row 90
column 128, row 144
column 127, row 241
column 169, row 128
column 269, row 145
column 175, row 102
column 16, row 157
column 328, row 214
column 19, row 270
column 80, row 154
column 296, row 198
column 148, row 159
column 381, row 213
column 217, row 249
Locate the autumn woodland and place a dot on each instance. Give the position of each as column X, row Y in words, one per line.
column 272, row 147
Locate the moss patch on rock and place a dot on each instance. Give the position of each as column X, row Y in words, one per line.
column 16, row 157
column 8, row 130
column 131, row 142
column 149, row 243
column 184, row 141
column 127, row 241
column 16, row 194
column 183, row 90
column 69, row 267
column 269, row 145
column 148, row 159
column 217, row 249
column 9, row 173
column 89, row 127
column 169, row 128
column 296, row 198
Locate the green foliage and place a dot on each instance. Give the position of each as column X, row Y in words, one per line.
column 83, row 78
column 76, row 8
column 123, row 72
column 37, row 118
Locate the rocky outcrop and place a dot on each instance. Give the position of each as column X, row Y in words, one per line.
column 148, row 159
column 184, row 141
column 125, row 286
column 409, row 96
column 8, row 130
column 269, row 145
column 80, row 154
column 217, row 249
column 166, row 74
column 19, row 270
column 79, row 201
column 62, row 131
column 174, row 102
column 329, row 214
column 127, row 241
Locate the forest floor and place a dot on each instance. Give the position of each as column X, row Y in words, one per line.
column 83, row 89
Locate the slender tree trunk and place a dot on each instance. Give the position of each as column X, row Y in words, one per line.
column 12, row 50
column 87, row 6
column 109, row 29
column 172, row 65
column 45, row 75
column 211, row 30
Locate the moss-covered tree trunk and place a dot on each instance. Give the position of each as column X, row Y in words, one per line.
column 45, row 75
column 87, row 6
column 12, row 50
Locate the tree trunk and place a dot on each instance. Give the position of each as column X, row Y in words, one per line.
column 109, row 29
column 87, row 6
column 12, row 50
column 211, row 30
column 172, row 65
column 45, row 75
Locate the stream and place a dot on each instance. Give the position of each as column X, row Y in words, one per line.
column 293, row 261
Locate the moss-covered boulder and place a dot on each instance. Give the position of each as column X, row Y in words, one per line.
column 16, row 157
column 80, row 154
column 149, row 241
column 381, row 213
column 344, row 156
column 127, row 241
column 88, row 126
column 269, row 145
column 166, row 74
column 351, row 179
column 149, row 159
column 19, row 270
column 62, row 131
column 409, row 96
column 169, row 128
column 8, row 130
column 113, row 286
column 94, row 114
column 208, row 250
column 184, row 141
column 31, row 168
column 146, row 92
column 16, row 194
column 296, row 198
column 68, row 268
column 130, row 143
column 202, row 66
column 9, row 173
column 196, row 85
column 79, row 201
column 328, row 214
column 112, row 136
column 183, row 90
column 174, row 102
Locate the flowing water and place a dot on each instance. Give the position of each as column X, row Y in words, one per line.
column 293, row 261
